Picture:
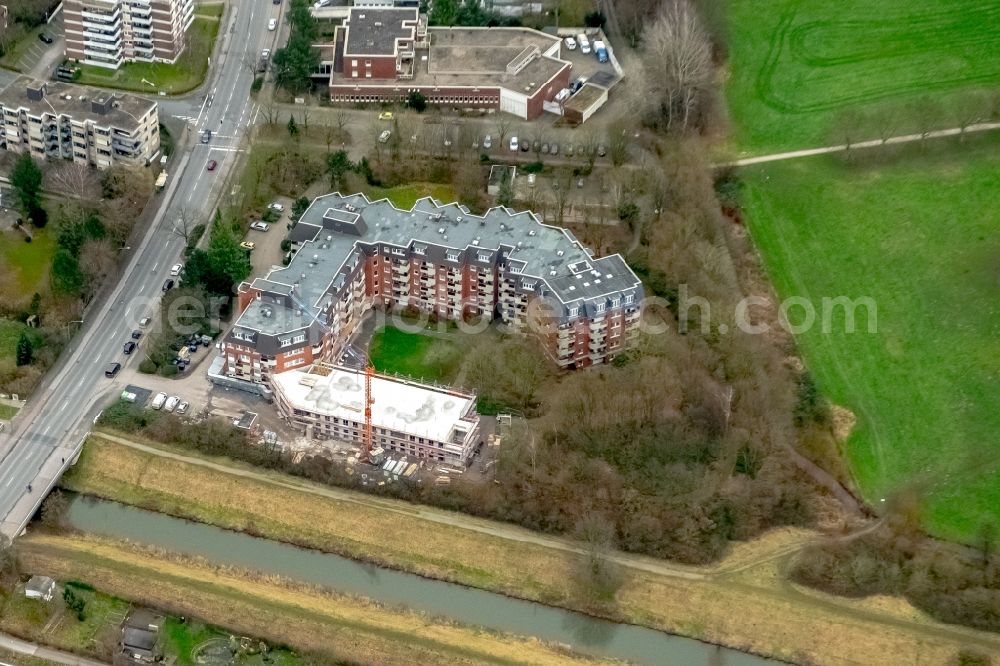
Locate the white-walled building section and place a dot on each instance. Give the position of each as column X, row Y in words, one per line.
column 423, row 421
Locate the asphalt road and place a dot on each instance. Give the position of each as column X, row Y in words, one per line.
column 49, row 430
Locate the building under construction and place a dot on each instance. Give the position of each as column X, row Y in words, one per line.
column 423, row 421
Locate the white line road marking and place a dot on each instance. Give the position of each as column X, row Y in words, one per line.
column 153, row 270
column 63, row 408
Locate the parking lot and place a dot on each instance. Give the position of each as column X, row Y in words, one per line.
column 38, row 58
column 267, row 252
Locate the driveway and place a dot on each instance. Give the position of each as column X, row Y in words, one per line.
column 40, row 59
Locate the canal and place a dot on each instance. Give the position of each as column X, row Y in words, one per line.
column 463, row 604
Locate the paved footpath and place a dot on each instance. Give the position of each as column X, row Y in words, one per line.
column 41, row 652
column 874, row 143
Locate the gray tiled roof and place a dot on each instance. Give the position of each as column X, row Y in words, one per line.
column 563, row 268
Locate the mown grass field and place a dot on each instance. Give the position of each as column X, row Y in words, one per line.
column 920, row 237
column 183, row 76
column 29, row 261
column 796, row 66
column 415, row 355
column 712, row 605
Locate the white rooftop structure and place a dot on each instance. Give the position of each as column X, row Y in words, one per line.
column 400, row 405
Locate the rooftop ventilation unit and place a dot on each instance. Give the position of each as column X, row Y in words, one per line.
column 559, row 253
column 266, row 312
column 475, row 241
column 440, row 230
column 458, row 219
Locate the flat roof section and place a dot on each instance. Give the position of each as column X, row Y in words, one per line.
column 403, row 406
column 372, row 31
column 119, row 110
column 586, row 97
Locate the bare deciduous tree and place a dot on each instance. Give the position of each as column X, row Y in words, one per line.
column 97, row 261
column 75, row 180
column 503, row 125
column 184, row 224
column 677, row 66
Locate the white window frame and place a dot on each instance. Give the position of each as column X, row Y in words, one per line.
column 599, row 307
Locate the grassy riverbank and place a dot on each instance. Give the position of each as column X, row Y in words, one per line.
column 743, row 602
column 340, row 628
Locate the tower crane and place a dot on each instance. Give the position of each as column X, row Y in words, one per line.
column 367, row 440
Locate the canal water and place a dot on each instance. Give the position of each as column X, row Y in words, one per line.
column 463, row 604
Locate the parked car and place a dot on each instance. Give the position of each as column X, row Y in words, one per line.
column 258, row 225
column 176, row 269
column 531, row 180
column 182, row 408
column 272, row 24
column 158, row 400
column 525, row 146
column 570, row 43
column 384, row 136
column 513, row 144
column 168, row 284
column 601, row 51
column 569, row 150
column 248, row 245
column 554, row 149
column 487, row 142
column 265, row 53
column 129, row 347
column 545, row 149
column 171, row 403
column 144, row 322
column 112, row 369
column 276, row 207
column 212, row 164
column 584, row 43
column 136, row 334
column 385, row 115
column 45, row 38
column 536, row 145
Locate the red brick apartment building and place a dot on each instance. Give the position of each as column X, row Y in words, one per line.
column 384, row 54
column 352, row 254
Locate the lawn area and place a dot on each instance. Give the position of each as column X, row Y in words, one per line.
column 7, row 412
column 919, row 236
column 796, row 66
column 184, row 76
column 10, row 332
column 404, row 196
column 415, row 355
column 29, row 260
column 211, row 10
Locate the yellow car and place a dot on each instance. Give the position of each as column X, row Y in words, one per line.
column 248, row 245
column 385, row 115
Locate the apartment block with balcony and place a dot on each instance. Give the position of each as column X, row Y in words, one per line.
column 108, row 33
column 352, row 254
column 61, row 121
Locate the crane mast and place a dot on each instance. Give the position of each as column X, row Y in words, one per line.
column 367, row 439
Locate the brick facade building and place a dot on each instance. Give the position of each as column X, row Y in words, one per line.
column 352, row 255
column 382, row 55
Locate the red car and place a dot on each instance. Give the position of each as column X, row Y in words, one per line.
column 212, row 164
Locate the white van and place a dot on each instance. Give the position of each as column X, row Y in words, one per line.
column 584, row 43
column 158, row 400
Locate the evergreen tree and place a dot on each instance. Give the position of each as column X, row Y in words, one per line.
column 25, row 350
